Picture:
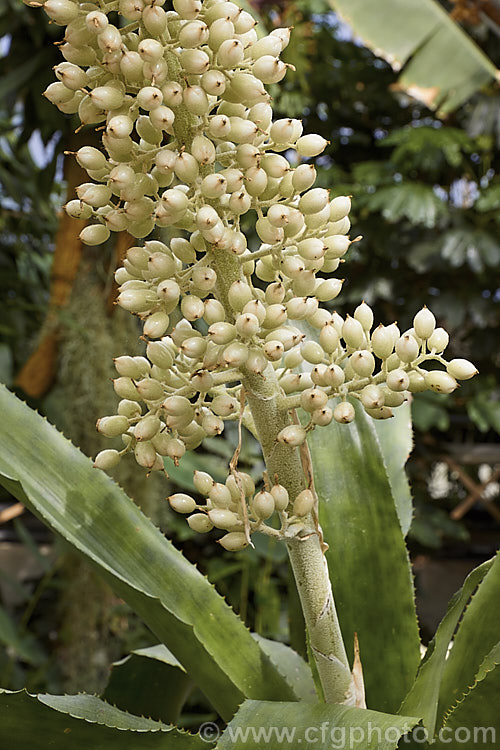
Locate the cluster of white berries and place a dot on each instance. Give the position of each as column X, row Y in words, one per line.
column 190, row 144
column 237, row 509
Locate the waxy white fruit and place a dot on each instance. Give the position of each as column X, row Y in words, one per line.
column 440, row 381
column 461, row 369
column 293, row 436
column 182, row 503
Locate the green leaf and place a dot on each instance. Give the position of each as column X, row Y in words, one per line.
column 24, row 645
column 19, row 76
column 489, row 198
column 149, row 682
column 415, row 202
column 429, row 410
column 396, row 442
column 57, row 722
column 477, row 635
column 312, row 726
column 478, row 709
column 292, row 666
column 367, row 557
column 93, row 514
column 443, row 67
column 484, row 412
column 427, row 149
column 424, row 695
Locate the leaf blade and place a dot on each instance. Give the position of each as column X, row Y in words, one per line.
column 149, row 682
column 476, row 636
column 97, row 518
column 445, row 66
column 424, row 695
column 82, row 721
column 359, row 520
column 311, row 725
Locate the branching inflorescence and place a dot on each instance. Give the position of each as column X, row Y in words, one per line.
column 189, row 143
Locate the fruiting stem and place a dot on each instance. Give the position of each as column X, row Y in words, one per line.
column 270, row 415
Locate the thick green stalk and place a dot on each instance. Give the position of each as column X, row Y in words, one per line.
column 308, row 561
column 270, row 414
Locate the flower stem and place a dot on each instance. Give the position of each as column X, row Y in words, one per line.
column 270, row 413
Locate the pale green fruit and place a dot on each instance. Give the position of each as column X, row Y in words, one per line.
column 94, row 234
column 89, row 157
column 234, row 541
column 312, row 352
column 362, row 362
column 311, row 145
column 62, row 12
column 440, row 381
column 363, row 313
column 317, row 373
column 96, row 21
column 145, row 455
column 281, row 497
column 223, row 518
column 78, row 210
column 322, row 417
column 328, row 289
column 149, row 98
column 407, row 348
column 336, row 246
column 247, row 325
column 112, row 426
column 263, row 505
column 461, row 369
column 147, row 427
column 382, row 342
column 177, row 406
column 293, row 435
column 124, row 388
column 106, row 459
column 313, row 201
column 156, row 325
column 438, row 340
column 212, row 425
column 303, row 503
column 417, row 382
column 339, row 207
column 203, row 482
column 397, row 380
column 274, row 350
column 149, row 389
column 312, row 399
column 393, row 398
column 352, row 333
column 129, row 409
column 372, row 397
column 424, row 323
column 344, row 412
column 235, row 354
column 328, row 338
column 182, row 503
column 222, row 332
column 381, row 412
column 200, row 522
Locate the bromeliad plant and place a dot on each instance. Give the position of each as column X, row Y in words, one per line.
column 189, row 144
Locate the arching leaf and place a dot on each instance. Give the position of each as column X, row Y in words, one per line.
column 441, row 65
